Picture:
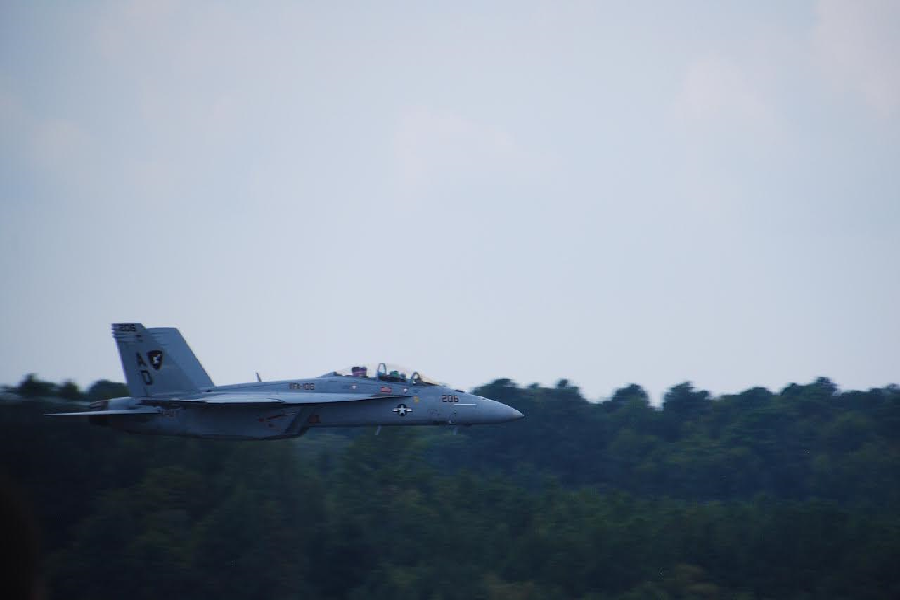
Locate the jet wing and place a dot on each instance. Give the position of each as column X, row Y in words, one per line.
column 146, row 410
column 269, row 399
column 150, row 405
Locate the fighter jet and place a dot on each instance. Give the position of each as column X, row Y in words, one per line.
column 171, row 394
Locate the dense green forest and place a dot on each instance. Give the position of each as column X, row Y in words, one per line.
column 794, row 494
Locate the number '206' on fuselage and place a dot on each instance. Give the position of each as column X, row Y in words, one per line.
column 171, row 394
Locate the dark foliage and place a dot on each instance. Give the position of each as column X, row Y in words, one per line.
column 69, row 391
column 32, row 387
column 105, row 390
column 756, row 495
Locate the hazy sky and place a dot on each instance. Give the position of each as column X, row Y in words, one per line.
column 610, row 192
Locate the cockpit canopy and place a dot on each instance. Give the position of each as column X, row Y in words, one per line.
column 385, row 372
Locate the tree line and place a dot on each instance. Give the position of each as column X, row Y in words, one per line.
column 788, row 494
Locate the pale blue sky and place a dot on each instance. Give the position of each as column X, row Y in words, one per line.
column 610, row 192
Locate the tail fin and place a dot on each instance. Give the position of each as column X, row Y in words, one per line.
column 174, row 344
column 157, row 361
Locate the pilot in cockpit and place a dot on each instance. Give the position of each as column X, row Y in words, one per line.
column 394, row 376
column 359, row 371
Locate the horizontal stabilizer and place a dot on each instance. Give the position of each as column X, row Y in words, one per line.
column 103, row 413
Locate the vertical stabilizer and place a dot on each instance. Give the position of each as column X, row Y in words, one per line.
column 153, row 366
column 174, row 344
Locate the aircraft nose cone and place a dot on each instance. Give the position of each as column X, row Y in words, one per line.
column 497, row 412
column 511, row 414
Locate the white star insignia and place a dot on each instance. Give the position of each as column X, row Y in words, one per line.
column 402, row 409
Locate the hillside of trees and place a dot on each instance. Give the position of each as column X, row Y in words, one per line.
column 784, row 495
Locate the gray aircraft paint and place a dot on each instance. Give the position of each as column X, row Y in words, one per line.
column 173, row 395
